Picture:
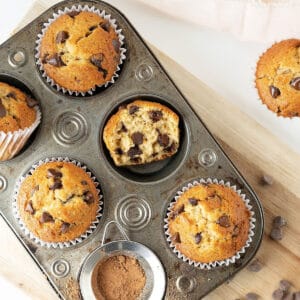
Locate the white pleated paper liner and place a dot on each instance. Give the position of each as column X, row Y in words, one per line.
column 28, row 233
column 79, row 8
column 284, row 121
column 11, row 143
column 212, row 264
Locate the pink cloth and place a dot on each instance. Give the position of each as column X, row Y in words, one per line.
column 248, row 20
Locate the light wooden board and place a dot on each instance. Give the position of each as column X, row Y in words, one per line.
column 255, row 151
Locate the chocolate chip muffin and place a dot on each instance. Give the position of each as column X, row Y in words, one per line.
column 278, row 78
column 16, row 109
column 80, row 50
column 209, row 222
column 142, row 132
column 58, row 202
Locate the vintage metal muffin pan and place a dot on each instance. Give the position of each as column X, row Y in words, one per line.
column 137, row 197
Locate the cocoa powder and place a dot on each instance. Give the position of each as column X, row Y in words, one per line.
column 119, row 277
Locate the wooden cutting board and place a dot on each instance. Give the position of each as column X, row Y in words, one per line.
column 254, row 151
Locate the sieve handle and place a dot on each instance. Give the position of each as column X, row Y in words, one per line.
column 125, row 236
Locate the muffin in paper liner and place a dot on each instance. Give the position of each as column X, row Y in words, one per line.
column 79, row 8
column 11, row 143
column 293, row 120
column 216, row 263
column 28, row 233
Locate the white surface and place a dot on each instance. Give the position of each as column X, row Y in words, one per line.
column 218, row 59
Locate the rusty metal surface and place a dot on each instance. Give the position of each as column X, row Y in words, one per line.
column 136, row 197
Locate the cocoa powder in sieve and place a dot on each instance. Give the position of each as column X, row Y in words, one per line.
column 119, row 277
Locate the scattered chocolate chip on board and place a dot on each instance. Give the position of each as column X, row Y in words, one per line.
column 266, row 180
column 277, row 228
column 254, row 266
column 252, row 296
column 142, row 132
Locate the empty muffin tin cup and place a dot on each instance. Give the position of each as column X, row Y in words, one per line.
column 79, row 8
column 24, row 228
column 216, row 263
column 154, row 272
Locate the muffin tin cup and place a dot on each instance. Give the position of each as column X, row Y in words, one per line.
column 212, row 264
column 79, row 8
column 28, row 233
column 11, row 143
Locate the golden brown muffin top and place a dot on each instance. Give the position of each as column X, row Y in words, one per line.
column 80, row 50
column 209, row 222
column 58, row 202
column 16, row 109
column 278, row 78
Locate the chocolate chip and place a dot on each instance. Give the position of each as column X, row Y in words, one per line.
column 276, row 234
column 278, row 294
column 31, row 102
column 224, row 221
column 133, row 151
column 65, row 227
column 119, row 151
column 285, row 285
column 176, row 238
column 133, row 109
column 52, row 173
column 251, row 296
column 93, row 27
column 88, row 197
column 193, row 201
column 155, row 115
column 96, row 59
column 123, row 128
column 116, row 44
column 279, row 221
column 296, row 295
column 177, row 212
column 46, row 217
column 198, row 237
column 55, row 60
column 11, row 95
column 274, row 91
column 36, row 188
column 254, row 266
column 29, row 208
column 295, row 83
column 163, row 140
column 61, row 37
column 137, row 138
column 72, row 14
column 171, row 148
column 105, row 26
column 135, row 160
column 57, row 185
column 235, row 231
column 2, row 110
column 180, row 209
column 100, row 69
column 266, row 180
column 84, row 182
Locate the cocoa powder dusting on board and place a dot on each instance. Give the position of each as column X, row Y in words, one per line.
column 119, row 277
